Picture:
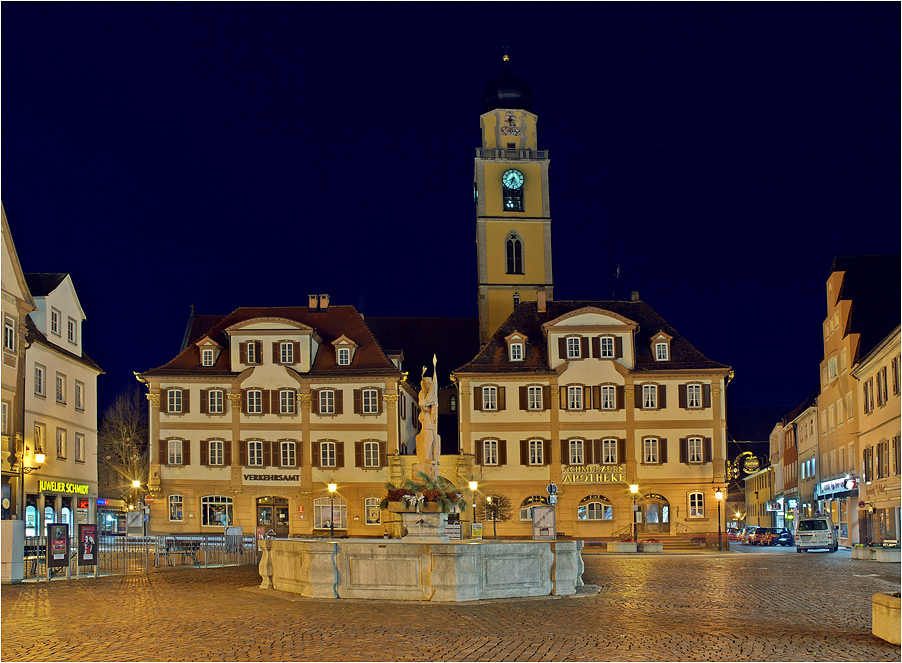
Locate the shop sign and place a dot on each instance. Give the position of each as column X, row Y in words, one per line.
column 87, row 545
column 63, row 487
column 774, row 505
column 750, row 464
column 57, row 545
column 270, row 478
column 834, row 486
column 594, row 474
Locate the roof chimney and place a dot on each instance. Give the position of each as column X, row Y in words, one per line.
column 323, row 302
column 634, row 296
column 314, row 302
column 540, row 301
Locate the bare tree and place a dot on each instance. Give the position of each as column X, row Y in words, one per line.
column 495, row 508
column 122, row 447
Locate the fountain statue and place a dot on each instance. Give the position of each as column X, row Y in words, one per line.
column 429, row 444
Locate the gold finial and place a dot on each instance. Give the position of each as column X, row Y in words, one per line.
column 507, row 57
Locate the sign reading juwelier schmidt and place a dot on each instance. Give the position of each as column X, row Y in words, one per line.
column 594, row 474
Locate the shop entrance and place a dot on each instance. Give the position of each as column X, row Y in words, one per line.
column 655, row 514
column 272, row 513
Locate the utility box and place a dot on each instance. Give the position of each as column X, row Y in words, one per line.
column 12, row 537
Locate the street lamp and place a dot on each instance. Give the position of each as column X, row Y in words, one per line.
column 718, row 495
column 634, row 489
column 473, row 486
column 332, row 488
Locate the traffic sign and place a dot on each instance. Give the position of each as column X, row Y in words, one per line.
column 149, row 499
column 552, row 499
column 552, row 489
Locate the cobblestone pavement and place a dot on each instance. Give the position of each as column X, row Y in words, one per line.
column 726, row 607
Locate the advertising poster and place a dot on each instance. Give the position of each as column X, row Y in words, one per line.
column 57, row 545
column 87, row 545
column 476, row 531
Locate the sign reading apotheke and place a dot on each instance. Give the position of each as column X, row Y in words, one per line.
column 273, row 479
column 63, row 487
column 593, row 474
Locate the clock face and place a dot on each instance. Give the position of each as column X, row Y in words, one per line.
column 512, row 179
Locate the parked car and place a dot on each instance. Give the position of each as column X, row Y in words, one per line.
column 746, row 532
column 733, row 533
column 816, row 532
column 761, row 536
column 782, row 537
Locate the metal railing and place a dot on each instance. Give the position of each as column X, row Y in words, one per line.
column 499, row 153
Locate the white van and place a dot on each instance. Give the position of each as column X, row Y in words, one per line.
column 816, row 532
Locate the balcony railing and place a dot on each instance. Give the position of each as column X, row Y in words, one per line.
column 497, row 153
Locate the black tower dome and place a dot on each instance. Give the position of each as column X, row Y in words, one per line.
column 506, row 91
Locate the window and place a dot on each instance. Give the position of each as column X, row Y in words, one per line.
column 55, row 322
column 286, row 401
column 327, row 454
column 286, row 352
column 371, row 454
column 330, row 512
column 175, row 454
column 883, row 459
column 79, row 395
column 80, row 447
column 853, row 464
column 370, row 401
column 216, row 401
column 882, row 395
column 607, row 347
column 608, row 397
column 839, row 415
column 514, row 245
column 595, row 507
column 897, row 461
column 61, row 388
column 516, row 351
column 215, row 452
column 536, row 452
column 40, row 380
column 573, row 347
column 609, row 452
column 326, row 401
column 206, row 357
column 9, row 334
column 695, row 448
column 662, row 352
column 693, row 395
column 175, row 508
column 490, row 398
column 696, row 505
column 831, row 416
column 895, row 371
column 844, row 359
column 288, row 453
column 516, row 299
column 4, row 418
column 344, row 356
column 530, row 503
column 40, row 437
column 72, row 331
column 216, row 510
column 649, row 396
column 832, row 371
column 174, row 400
column 254, row 401
column 850, row 412
column 61, row 443
column 534, row 397
column 575, row 397
column 576, row 456
column 650, row 450
column 489, row 452
column 372, row 511
column 255, row 453
column 252, row 352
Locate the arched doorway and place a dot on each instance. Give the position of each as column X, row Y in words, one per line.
column 272, row 513
column 655, row 514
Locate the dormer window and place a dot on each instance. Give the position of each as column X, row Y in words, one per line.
column 206, row 357
column 251, row 352
column 344, row 356
column 516, row 351
column 607, row 347
column 344, row 350
column 573, row 347
column 516, row 346
column 55, row 322
column 660, row 346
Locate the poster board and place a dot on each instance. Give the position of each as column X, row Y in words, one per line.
column 87, row 545
column 57, row 545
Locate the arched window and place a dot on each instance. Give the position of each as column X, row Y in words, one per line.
column 528, row 504
column 516, row 299
column 595, row 507
column 514, row 254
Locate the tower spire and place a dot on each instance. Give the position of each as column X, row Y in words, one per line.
column 506, row 57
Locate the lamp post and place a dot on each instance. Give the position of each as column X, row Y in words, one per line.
column 718, row 495
column 634, row 489
column 136, row 484
column 332, row 488
column 473, row 486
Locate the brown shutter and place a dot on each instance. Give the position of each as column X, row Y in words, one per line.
column 596, row 397
column 242, row 453
column 524, row 452
column 662, row 396
column 477, row 451
column 684, row 450
column 620, row 394
column 186, row 452
column 562, row 396
column 546, row 397
column 477, row 398
column 706, row 395
column 684, row 398
column 358, row 401
column 298, row 454
column 204, row 452
column 186, row 401
column 242, row 352
column 584, row 347
column 244, row 401
column 296, row 351
column 314, row 401
column 663, row 443
column 276, row 355
column 379, row 401
column 339, row 454
column 259, row 353
column 618, row 347
column 227, row 453
column 587, row 398
column 546, row 452
column 621, row 451
column 204, row 396
column 163, row 455
column 501, row 400
column 637, row 396
column 524, row 398
column 339, row 401
column 565, row 452
column 383, row 454
column 709, row 450
column 164, row 401
column 266, row 399
column 267, row 453
column 358, row 454
column 502, row 452
column 589, row 451
column 562, row 348
column 315, row 457
column 596, row 347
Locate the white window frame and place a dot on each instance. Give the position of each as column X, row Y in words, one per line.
column 574, row 347
column 175, row 451
column 536, row 449
column 210, row 505
column 662, row 351
column 255, row 401
column 286, row 401
column 371, row 507
column 55, row 318
column 4, row 418
column 61, row 388
column 575, row 397
column 251, row 352
column 79, row 447
column 516, row 351
column 344, row 356
column 321, row 507
column 176, row 505
column 40, row 380
column 255, row 453
column 534, row 399
column 489, row 452
column 206, row 357
column 288, row 453
column 649, row 397
column 286, row 352
column 328, row 451
column 79, row 395
column 609, row 451
column 174, row 401
column 215, row 452
column 62, row 443
column 696, row 505
column 595, row 510
column 371, row 454
column 72, row 330
column 607, row 347
column 9, row 334
column 490, row 398
column 327, row 401
column 651, row 450
column 369, row 401
column 608, row 394
column 694, row 396
column 576, row 451
column 695, row 449
column 216, row 401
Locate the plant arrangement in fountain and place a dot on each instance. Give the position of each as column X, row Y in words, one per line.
column 424, row 489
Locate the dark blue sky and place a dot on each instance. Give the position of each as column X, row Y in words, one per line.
column 237, row 154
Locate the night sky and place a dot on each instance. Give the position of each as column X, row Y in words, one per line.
column 228, row 155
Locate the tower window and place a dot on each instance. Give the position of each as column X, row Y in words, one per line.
column 516, row 299
column 513, row 201
column 514, row 258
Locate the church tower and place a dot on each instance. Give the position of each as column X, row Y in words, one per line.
column 513, row 217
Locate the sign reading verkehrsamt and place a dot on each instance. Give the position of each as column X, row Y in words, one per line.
column 270, row 478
